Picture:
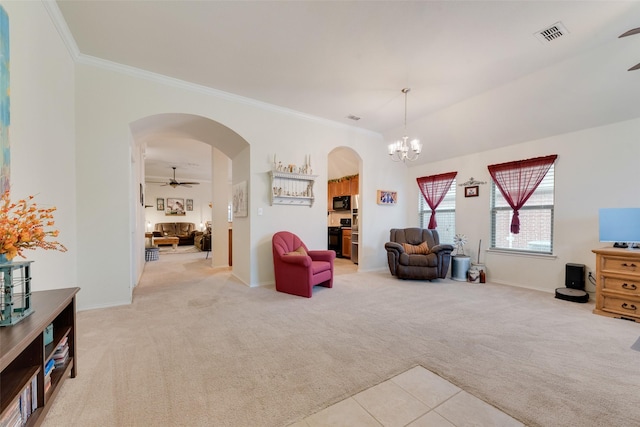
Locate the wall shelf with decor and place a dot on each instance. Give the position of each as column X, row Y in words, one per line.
column 292, row 188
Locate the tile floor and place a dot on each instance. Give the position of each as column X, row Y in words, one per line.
column 415, row 398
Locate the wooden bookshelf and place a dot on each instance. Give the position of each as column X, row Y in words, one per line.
column 23, row 353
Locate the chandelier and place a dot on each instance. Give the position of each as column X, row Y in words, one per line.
column 402, row 149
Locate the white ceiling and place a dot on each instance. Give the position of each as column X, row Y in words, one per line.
column 479, row 78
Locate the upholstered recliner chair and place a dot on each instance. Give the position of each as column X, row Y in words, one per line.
column 298, row 269
column 416, row 253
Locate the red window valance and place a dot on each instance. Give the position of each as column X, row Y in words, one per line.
column 518, row 180
column 433, row 189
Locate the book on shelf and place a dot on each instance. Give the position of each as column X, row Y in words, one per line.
column 63, row 342
column 19, row 411
column 49, row 367
column 11, row 415
column 61, row 355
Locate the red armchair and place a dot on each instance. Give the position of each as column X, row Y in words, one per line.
column 298, row 269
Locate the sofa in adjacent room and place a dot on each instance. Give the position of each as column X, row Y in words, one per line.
column 202, row 240
column 184, row 231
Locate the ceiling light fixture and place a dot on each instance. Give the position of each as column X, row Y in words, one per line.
column 402, row 150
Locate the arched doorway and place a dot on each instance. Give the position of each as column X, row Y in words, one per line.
column 227, row 148
column 345, row 164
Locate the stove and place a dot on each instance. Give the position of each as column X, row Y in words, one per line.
column 335, row 240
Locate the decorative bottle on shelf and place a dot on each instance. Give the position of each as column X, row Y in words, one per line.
column 483, row 276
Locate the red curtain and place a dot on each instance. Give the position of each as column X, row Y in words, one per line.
column 434, row 188
column 518, row 180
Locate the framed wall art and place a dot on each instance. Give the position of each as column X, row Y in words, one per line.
column 160, row 204
column 189, row 204
column 175, row 207
column 5, row 161
column 385, row 197
column 240, row 200
column 471, row 191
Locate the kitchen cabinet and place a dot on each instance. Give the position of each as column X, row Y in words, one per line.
column 346, row 243
column 344, row 187
column 332, row 190
column 355, row 185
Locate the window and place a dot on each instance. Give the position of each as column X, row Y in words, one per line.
column 445, row 214
column 536, row 220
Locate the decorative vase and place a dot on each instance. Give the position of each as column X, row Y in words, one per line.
column 15, row 282
column 3, row 259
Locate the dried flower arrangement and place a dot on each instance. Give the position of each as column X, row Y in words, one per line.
column 23, row 225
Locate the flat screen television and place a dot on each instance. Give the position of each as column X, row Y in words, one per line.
column 620, row 225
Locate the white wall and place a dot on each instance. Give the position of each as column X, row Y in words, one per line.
column 42, row 135
column 108, row 101
column 595, row 168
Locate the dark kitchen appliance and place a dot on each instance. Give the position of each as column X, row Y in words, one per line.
column 335, row 240
column 345, row 222
column 342, row 203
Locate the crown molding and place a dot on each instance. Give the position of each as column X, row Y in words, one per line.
column 61, row 26
column 63, row 29
column 205, row 90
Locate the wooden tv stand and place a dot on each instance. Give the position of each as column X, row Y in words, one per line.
column 23, row 355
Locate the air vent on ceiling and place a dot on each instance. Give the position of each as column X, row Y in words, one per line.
column 352, row 117
column 552, row 33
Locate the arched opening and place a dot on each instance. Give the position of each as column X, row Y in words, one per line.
column 203, row 151
column 344, row 166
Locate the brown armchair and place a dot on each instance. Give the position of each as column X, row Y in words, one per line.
column 297, row 269
column 416, row 253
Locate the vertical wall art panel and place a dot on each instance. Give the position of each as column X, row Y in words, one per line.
column 240, row 200
column 4, row 102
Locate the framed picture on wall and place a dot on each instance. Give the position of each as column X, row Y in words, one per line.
column 189, row 204
column 471, row 191
column 160, row 204
column 385, row 197
column 175, row 207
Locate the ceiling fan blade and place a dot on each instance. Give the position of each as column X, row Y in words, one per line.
column 189, row 183
column 630, row 32
column 635, row 67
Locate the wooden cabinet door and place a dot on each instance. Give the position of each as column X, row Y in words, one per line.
column 332, row 191
column 346, row 243
column 345, row 187
column 355, row 185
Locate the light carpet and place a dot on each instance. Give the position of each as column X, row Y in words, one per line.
column 199, row 348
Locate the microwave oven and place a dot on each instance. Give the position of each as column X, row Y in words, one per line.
column 342, row 203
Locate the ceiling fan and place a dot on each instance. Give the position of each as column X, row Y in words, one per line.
column 174, row 183
column 630, row 33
